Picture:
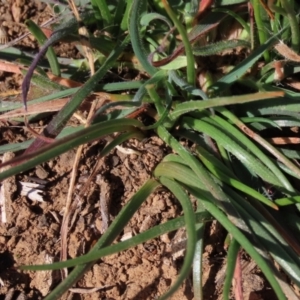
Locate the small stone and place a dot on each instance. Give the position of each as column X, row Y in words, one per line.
column 41, row 172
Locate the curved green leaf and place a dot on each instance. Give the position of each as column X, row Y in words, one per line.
column 41, row 38
column 81, row 137
column 108, row 237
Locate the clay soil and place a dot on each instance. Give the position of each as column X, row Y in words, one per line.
column 31, row 232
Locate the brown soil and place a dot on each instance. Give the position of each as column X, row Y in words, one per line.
column 31, row 232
